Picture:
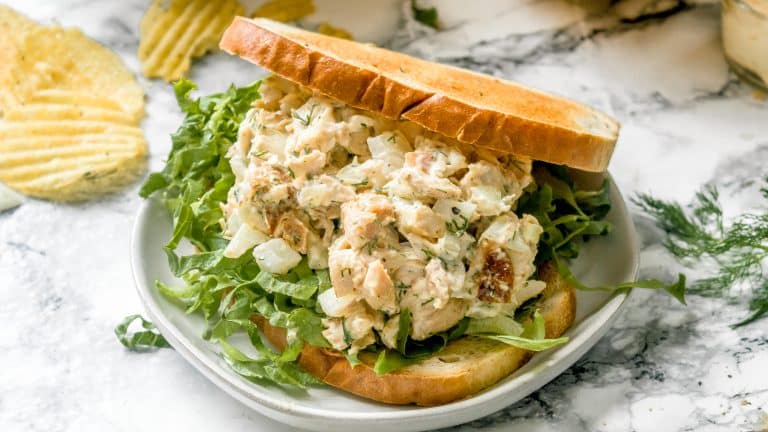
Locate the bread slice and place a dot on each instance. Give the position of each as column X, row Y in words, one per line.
column 464, row 367
column 470, row 107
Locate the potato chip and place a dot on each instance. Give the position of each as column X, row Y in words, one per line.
column 69, row 151
column 13, row 27
column 18, row 84
column 56, row 96
column 71, row 110
column 173, row 32
column 66, row 59
column 26, row 129
column 327, row 29
column 285, row 10
column 13, row 23
column 33, row 112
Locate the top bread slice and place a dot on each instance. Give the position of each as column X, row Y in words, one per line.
column 465, row 367
column 470, row 107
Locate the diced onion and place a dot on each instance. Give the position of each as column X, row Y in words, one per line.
column 501, row 229
column 335, row 306
column 352, row 174
column 276, row 256
column 390, row 147
column 244, row 239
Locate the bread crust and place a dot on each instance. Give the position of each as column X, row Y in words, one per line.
column 465, row 367
column 470, row 107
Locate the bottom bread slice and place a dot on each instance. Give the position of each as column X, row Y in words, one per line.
column 465, row 367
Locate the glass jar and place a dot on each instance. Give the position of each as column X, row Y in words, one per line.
column 745, row 39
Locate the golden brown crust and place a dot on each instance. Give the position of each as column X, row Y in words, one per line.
column 470, row 107
column 465, row 367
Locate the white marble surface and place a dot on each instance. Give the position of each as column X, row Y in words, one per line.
column 656, row 65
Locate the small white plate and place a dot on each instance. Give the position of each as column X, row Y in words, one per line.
column 605, row 261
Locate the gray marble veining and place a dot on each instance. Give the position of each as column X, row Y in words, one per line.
column 656, row 65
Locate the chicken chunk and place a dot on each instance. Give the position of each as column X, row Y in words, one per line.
column 324, row 191
column 417, row 218
column 378, row 289
column 389, row 332
column 291, row 229
column 415, row 184
column 427, row 320
column 441, row 283
column 504, row 259
column 367, row 221
column 347, row 269
column 333, row 332
column 491, row 188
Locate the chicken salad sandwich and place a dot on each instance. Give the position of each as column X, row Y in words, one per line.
column 395, row 228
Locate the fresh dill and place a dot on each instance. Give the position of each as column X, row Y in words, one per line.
column 260, row 153
column 698, row 234
column 307, row 119
column 457, row 225
column 430, row 255
column 371, row 245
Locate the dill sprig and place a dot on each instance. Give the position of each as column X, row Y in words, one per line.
column 698, row 234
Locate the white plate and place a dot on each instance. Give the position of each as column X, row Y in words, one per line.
column 608, row 260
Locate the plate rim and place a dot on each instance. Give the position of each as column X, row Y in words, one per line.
column 239, row 388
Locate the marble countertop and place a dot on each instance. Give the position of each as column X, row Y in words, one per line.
column 656, row 65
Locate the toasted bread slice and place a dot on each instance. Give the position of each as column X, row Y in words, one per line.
column 463, row 368
column 467, row 106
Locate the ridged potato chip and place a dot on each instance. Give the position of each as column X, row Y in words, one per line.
column 71, row 112
column 173, row 32
column 69, row 151
column 13, row 27
column 285, row 10
column 13, row 23
column 65, row 97
column 66, row 59
column 32, row 112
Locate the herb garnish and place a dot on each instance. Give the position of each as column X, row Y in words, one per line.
column 307, row 119
column 457, row 225
column 700, row 235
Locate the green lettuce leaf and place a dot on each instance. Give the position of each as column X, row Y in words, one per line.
column 500, row 324
column 142, row 340
column 227, row 291
column 302, row 289
column 532, row 338
column 570, row 217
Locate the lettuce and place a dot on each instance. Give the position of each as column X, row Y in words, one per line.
column 570, row 217
column 532, row 337
column 227, row 291
column 141, row 340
